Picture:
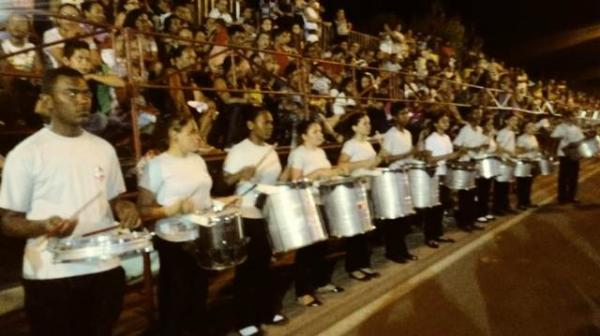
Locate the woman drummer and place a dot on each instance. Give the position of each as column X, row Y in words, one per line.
column 440, row 146
column 358, row 155
column 528, row 149
column 249, row 163
column 507, row 147
column 484, row 185
column 308, row 161
column 174, row 183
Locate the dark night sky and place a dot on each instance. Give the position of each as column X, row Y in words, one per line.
column 504, row 25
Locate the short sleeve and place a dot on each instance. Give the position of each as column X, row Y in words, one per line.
column 558, row 132
column 295, row 160
column 115, row 185
column 231, row 165
column 151, row 177
column 16, row 192
column 460, row 139
column 388, row 142
column 349, row 149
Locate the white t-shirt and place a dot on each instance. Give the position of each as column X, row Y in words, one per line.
column 53, row 35
column 173, row 178
column 529, row 143
column 568, row 133
column 340, row 102
column 216, row 14
column 506, row 139
column 22, row 62
column 439, row 144
column 308, row 160
column 397, row 142
column 247, row 153
column 358, row 151
column 469, row 137
column 51, row 175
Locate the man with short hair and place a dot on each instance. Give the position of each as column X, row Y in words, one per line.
column 65, row 182
column 569, row 133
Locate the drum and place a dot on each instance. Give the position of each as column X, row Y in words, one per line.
column 391, row 194
column 545, row 165
column 584, row 149
column 221, row 243
column 177, row 229
column 102, row 246
column 506, row 170
column 346, row 206
column 424, row 184
column 523, row 168
column 487, row 165
column 460, row 175
column 293, row 218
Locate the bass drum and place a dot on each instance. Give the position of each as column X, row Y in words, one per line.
column 460, row 175
column 391, row 194
column 424, row 184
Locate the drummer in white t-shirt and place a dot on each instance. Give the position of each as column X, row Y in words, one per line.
column 358, row 156
column 568, row 170
column 507, row 147
column 174, row 183
column 250, row 162
column 440, row 146
column 397, row 148
column 308, row 161
column 484, row 185
column 471, row 139
column 527, row 148
column 63, row 182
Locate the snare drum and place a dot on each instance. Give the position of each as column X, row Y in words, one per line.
column 346, row 206
column 391, row 194
column 177, row 229
column 293, row 218
column 487, row 166
column 523, row 168
column 424, row 184
column 221, row 243
column 102, row 246
column 460, row 175
column 506, row 170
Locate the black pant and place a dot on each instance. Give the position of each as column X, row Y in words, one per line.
column 524, row 191
column 182, row 291
column 253, row 283
column 568, row 175
column 81, row 305
column 501, row 201
column 467, row 208
column 434, row 216
column 358, row 254
column 394, row 235
column 312, row 269
column 484, row 187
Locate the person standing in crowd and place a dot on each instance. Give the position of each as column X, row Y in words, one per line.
column 484, row 185
column 528, row 149
column 507, row 146
column 308, row 161
column 358, row 155
column 250, row 162
column 46, row 180
column 440, row 146
column 174, row 183
column 471, row 139
column 568, row 170
column 397, row 149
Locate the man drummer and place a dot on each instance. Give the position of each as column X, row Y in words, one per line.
column 63, row 182
column 507, row 147
column 568, row 171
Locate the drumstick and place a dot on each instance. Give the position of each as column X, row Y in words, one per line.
column 85, row 205
column 101, row 230
column 230, row 203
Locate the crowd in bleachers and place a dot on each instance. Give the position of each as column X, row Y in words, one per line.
column 252, row 60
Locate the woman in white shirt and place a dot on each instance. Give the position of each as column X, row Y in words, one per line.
column 173, row 183
column 358, row 155
column 484, row 185
column 312, row 271
column 440, row 146
column 506, row 141
column 249, row 162
column 528, row 148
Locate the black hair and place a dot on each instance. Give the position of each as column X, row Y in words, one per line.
column 72, row 46
column 51, row 77
column 235, row 29
column 397, row 107
column 132, row 17
column 169, row 20
column 352, row 120
column 231, row 61
column 165, row 125
column 304, row 125
column 254, row 112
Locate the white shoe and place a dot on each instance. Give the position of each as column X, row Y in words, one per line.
column 482, row 220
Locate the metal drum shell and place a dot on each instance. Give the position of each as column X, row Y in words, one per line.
column 546, row 166
column 176, row 230
column 293, row 218
column 523, row 168
column 506, row 170
column 221, row 243
column 460, row 176
column 424, row 185
column 346, row 206
column 390, row 193
column 101, row 247
column 584, row 149
column 487, row 166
